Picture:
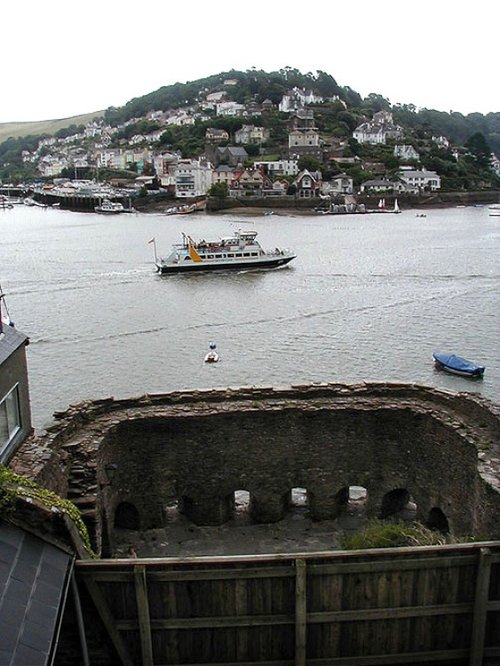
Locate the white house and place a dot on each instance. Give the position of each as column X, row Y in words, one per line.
column 406, row 153
column 298, row 98
column 378, row 130
column 441, row 141
column 229, row 109
column 193, row 178
column 340, row 184
column 251, row 134
column 382, row 185
column 416, row 181
column 278, row 167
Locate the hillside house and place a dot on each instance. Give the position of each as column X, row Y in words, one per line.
column 383, row 185
column 406, row 153
column 193, row 178
column 224, row 174
column 165, row 164
column 15, row 413
column 229, row 109
column 231, row 155
column 278, row 167
column 250, row 182
column 215, row 135
column 308, row 184
column 297, row 98
column 303, row 138
column 441, row 141
column 341, row 184
column 249, row 134
column 378, row 130
column 419, row 181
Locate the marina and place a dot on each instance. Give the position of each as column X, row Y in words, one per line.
column 368, row 298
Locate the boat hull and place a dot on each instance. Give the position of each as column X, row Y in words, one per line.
column 270, row 262
column 458, row 366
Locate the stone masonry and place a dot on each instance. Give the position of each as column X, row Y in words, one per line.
column 124, row 461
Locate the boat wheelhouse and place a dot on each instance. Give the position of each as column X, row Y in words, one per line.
column 237, row 252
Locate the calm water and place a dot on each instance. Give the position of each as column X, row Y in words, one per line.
column 368, row 298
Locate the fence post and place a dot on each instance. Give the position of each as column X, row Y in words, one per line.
column 300, row 613
column 480, row 607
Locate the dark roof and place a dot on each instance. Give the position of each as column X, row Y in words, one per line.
column 10, row 340
column 33, row 581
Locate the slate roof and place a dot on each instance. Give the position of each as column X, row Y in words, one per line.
column 33, row 579
column 10, row 340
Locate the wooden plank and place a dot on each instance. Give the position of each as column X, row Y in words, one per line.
column 191, row 574
column 454, row 550
column 108, row 621
column 480, row 607
column 223, row 622
column 389, row 659
column 391, row 565
column 389, row 613
column 300, row 613
column 141, row 595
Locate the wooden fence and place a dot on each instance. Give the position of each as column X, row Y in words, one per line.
column 398, row 606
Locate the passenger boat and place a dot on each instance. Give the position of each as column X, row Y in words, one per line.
column 458, row 365
column 110, row 207
column 238, row 252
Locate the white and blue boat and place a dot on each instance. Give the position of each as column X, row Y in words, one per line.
column 458, row 365
column 241, row 251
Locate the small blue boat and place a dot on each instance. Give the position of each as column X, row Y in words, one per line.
column 458, row 365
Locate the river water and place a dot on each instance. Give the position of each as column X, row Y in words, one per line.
column 369, row 298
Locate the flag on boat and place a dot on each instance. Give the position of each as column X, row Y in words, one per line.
column 192, row 252
column 151, row 241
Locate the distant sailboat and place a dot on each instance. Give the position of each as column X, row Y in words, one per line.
column 381, row 204
column 397, row 209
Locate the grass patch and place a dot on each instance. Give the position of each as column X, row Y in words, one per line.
column 382, row 534
column 36, row 127
column 13, row 486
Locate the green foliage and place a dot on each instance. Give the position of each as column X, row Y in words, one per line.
column 385, row 534
column 219, row 190
column 13, row 486
column 309, row 163
column 479, row 149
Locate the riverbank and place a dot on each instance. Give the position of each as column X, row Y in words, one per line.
column 289, row 205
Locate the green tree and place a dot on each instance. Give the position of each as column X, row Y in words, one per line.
column 478, row 147
column 309, row 163
column 219, row 190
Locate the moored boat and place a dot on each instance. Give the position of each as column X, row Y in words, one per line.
column 110, row 207
column 458, row 365
column 237, row 252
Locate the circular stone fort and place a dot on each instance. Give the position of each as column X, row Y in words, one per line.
column 126, row 463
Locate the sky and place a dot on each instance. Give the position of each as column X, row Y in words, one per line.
column 61, row 59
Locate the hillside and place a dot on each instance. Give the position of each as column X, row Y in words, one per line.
column 177, row 118
column 37, row 127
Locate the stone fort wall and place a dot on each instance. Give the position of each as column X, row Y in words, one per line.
column 126, row 461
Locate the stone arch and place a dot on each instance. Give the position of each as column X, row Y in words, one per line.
column 393, row 503
column 351, row 499
column 127, row 516
column 437, row 520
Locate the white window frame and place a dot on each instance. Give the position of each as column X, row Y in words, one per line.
column 10, row 417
